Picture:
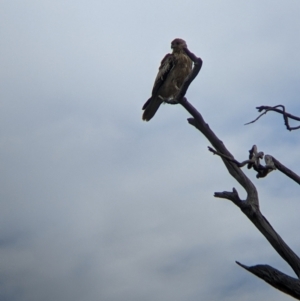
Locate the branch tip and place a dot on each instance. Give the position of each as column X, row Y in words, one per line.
column 278, row 109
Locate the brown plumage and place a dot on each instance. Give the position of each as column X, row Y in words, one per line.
column 173, row 70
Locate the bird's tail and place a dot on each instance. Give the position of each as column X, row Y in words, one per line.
column 150, row 108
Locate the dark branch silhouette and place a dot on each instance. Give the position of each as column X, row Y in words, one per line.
column 254, row 162
column 286, row 116
column 277, row 279
column 289, row 173
column 249, row 206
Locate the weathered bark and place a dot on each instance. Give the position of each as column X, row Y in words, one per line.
column 272, row 164
column 286, row 171
column 277, row 279
column 250, row 206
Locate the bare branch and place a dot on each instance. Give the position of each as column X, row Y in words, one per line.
column 277, row 279
column 253, row 162
column 264, row 113
column 239, row 164
column 232, row 196
column 274, row 238
column 232, row 168
column 282, row 111
column 286, row 171
column 250, row 207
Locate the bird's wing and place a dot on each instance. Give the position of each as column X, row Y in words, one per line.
column 166, row 66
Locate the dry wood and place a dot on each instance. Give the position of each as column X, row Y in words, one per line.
column 250, row 206
column 286, row 116
column 277, row 279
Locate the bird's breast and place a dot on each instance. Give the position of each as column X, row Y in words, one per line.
column 181, row 69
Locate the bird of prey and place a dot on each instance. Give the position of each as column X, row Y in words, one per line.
column 173, row 70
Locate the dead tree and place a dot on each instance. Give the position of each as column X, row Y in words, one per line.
column 249, row 206
column 281, row 110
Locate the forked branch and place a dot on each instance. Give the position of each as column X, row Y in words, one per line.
column 250, row 207
column 254, row 162
column 278, row 109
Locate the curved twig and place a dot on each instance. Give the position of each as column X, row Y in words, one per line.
column 286, row 115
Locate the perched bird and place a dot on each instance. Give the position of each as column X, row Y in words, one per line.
column 173, row 70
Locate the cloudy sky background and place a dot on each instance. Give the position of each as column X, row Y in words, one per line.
column 98, row 205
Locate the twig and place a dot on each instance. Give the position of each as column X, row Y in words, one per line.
column 239, row 164
column 253, row 161
column 286, row 115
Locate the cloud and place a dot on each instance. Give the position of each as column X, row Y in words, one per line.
column 98, row 205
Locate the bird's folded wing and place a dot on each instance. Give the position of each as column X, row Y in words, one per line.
column 166, row 66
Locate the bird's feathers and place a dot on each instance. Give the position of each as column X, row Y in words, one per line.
column 173, row 70
column 151, row 106
column 166, row 66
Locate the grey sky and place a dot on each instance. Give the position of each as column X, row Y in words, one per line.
column 98, row 205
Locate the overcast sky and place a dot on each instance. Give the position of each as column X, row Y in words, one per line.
column 98, row 205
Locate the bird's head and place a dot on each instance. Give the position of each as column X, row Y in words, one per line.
column 178, row 44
